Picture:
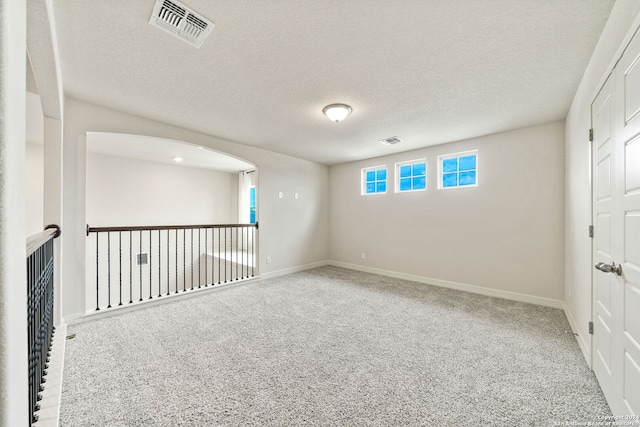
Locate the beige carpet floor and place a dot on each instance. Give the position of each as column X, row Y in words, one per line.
column 329, row 346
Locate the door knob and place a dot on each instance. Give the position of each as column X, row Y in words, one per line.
column 610, row 268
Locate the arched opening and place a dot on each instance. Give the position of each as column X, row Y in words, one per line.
column 165, row 217
column 136, row 180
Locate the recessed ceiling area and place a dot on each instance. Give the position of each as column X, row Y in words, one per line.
column 163, row 151
column 429, row 71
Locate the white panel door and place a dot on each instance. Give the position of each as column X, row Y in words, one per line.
column 616, row 249
column 604, row 284
column 627, row 173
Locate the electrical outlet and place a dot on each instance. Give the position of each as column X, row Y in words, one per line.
column 363, row 255
column 280, row 194
column 295, row 196
column 268, row 260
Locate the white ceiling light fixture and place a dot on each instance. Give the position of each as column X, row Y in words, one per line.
column 337, row 112
column 178, row 159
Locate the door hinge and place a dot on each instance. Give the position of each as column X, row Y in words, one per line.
column 591, row 328
column 591, row 231
column 591, row 135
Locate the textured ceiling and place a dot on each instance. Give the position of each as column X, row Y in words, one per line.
column 428, row 71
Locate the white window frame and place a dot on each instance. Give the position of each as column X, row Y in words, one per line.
column 408, row 163
column 363, row 180
column 452, row 156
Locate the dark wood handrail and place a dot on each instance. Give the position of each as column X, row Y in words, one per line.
column 174, row 259
column 34, row 242
column 165, row 227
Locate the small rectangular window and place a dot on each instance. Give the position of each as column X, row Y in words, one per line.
column 458, row 170
column 411, row 175
column 374, row 180
column 252, row 205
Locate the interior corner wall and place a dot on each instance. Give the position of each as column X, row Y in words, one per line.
column 130, row 192
column 503, row 237
column 578, row 269
column 293, row 231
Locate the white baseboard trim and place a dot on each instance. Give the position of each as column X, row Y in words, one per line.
column 90, row 315
column 514, row 296
column 290, row 270
column 115, row 310
column 582, row 343
column 49, row 413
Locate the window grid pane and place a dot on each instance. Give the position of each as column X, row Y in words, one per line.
column 374, row 181
column 450, row 165
column 449, row 180
column 405, row 171
column 419, row 169
column 419, row 183
column 467, row 163
column 467, row 178
column 405, row 184
column 458, row 171
column 371, row 187
column 412, row 176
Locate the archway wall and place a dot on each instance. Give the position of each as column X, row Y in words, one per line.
column 293, row 232
column 123, row 190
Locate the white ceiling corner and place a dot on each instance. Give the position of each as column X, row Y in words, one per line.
column 428, row 71
column 162, row 150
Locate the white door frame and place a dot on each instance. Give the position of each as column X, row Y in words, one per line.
column 612, row 74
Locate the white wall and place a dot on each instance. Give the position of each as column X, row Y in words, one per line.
column 293, row 232
column 13, row 298
column 34, row 160
column 124, row 191
column 34, row 186
column 578, row 173
column 128, row 192
column 506, row 235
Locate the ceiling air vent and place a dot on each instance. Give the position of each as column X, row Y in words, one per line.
column 178, row 20
column 392, row 140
